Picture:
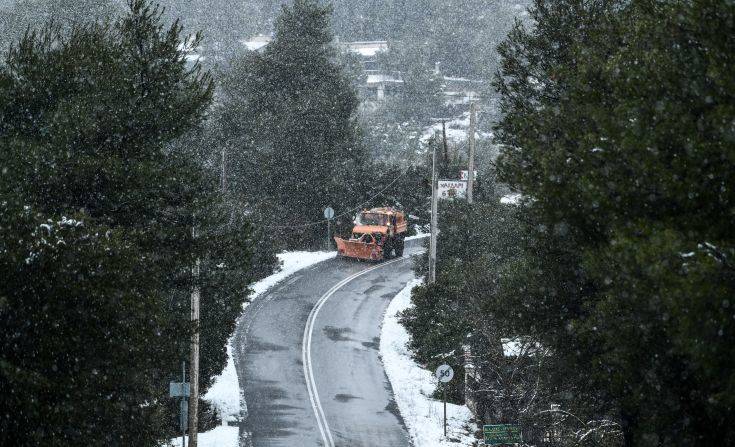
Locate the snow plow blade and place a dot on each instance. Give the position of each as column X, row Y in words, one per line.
column 358, row 250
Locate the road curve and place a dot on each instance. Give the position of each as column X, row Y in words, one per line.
column 306, row 354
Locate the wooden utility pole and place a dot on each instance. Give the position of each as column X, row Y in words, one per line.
column 444, row 143
column 432, row 239
column 471, row 137
column 194, row 363
column 224, row 170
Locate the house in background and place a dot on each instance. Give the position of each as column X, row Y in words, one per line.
column 367, row 51
column 377, row 84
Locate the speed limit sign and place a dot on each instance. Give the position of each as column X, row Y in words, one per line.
column 444, row 373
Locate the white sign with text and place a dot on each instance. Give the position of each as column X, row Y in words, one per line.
column 452, row 189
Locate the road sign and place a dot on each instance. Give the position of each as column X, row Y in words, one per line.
column 452, row 189
column 463, row 175
column 444, row 373
column 328, row 212
column 502, row 434
column 178, row 389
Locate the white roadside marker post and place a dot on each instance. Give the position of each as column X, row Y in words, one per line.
column 444, row 373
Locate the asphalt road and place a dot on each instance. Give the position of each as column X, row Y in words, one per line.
column 306, row 354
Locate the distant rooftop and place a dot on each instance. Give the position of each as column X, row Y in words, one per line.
column 256, row 43
column 374, row 77
column 365, row 48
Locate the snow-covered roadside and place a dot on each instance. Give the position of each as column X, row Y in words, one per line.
column 419, row 234
column 291, row 262
column 413, row 386
column 225, row 394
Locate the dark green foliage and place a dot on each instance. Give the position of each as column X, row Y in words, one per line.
column 476, row 246
column 618, row 128
column 82, row 334
column 97, row 313
column 289, row 119
column 397, row 143
column 438, row 331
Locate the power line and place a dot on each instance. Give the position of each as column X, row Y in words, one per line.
column 321, row 222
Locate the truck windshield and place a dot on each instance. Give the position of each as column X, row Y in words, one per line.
column 372, row 219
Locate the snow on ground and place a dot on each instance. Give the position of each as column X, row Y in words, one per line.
column 225, row 394
column 456, row 130
column 222, row 436
column 291, row 262
column 419, row 234
column 511, row 199
column 413, row 386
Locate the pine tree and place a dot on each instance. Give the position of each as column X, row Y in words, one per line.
column 97, row 309
column 292, row 112
column 614, row 129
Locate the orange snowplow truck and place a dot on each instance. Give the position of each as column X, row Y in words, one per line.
column 378, row 234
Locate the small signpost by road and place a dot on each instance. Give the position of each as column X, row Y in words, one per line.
column 183, row 390
column 329, row 215
column 444, row 373
column 502, row 434
column 184, row 410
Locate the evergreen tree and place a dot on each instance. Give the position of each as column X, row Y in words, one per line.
column 81, row 340
column 295, row 148
column 614, row 128
column 96, row 308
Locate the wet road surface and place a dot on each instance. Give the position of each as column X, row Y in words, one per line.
column 306, row 354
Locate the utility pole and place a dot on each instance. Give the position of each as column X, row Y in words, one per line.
column 224, row 171
column 471, row 167
column 432, row 239
column 444, row 142
column 194, row 362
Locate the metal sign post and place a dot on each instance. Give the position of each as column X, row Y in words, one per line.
column 444, row 395
column 181, row 389
column 329, row 215
column 444, row 373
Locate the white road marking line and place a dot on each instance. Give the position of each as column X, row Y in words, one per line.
column 306, row 352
